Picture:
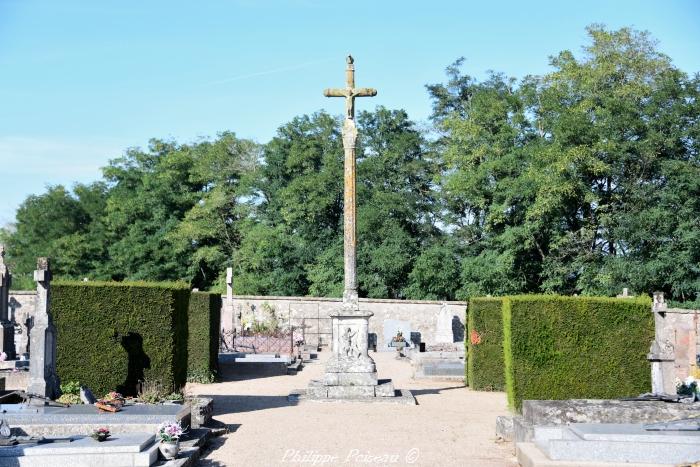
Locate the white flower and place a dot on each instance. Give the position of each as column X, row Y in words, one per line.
column 689, row 380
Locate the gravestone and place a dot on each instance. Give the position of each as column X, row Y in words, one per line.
column 7, row 328
column 43, row 380
column 390, row 329
column 443, row 329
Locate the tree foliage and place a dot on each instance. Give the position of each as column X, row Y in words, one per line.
column 583, row 180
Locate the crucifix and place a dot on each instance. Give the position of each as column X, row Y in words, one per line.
column 349, row 92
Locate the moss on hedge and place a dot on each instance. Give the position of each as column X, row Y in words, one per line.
column 485, row 358
column 112, row 334
column 576, row 347
column 203, row 343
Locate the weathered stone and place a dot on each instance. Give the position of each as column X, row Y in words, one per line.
column 42, row 367
column 504, row 427
column 546, row 412
column 350, row 392
column 350, row 379
column 385, row 388
column 202, row 410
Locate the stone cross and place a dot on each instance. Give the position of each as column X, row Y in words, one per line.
column 43, row 380
column 350, row 371
column 7, row 328
column 349, row 92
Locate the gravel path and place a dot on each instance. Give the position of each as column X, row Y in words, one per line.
column 451, row 425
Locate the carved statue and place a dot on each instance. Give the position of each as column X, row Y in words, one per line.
column 350, row 347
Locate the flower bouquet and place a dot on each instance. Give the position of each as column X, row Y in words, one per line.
column 169, row 434
column 100, row 434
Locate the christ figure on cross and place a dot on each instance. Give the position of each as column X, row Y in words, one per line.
column 349, row 92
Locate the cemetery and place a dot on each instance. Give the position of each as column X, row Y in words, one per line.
column 513, row 281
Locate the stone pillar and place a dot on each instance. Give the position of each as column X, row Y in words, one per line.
column 7, row 329
column 43, row 380
column 662, row 352
column 228, row 319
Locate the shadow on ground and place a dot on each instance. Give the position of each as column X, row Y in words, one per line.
column 226, row 404
column 422, row 392
column 212, row 445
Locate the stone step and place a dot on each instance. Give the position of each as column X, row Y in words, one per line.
column 191, row 449
column 529, row 455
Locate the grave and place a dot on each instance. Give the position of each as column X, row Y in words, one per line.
column 612, row 443
column 554, row 413
column 447, row 366
column 133, row 449
column 390, row 329
column 32, row 420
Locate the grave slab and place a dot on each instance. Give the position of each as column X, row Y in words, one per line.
column 617, row 443
column 132, row 449
column 80, row 419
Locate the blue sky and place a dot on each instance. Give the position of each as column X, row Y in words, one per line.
column 81, row 81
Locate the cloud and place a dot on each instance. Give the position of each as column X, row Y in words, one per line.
column 267, row 72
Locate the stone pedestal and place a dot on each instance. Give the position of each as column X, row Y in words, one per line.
column 351, row 374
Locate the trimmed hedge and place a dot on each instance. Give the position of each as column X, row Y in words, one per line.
column 110, row 335
column 203, row 342
column 485, row 357
column 576, row 347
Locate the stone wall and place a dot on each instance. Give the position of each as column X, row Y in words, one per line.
column 21, row 312
column 311, row 314
column 675, row 352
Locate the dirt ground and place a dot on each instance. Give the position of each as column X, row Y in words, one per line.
column 450, row 426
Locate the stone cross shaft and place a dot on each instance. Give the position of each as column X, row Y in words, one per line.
column 349, row 92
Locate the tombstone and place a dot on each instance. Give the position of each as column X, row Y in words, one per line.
column 391, row 328
column 443, row 328
column 625, row 293
column 43, row 380
column 7, row 328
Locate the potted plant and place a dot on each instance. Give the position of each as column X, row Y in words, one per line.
column 169, row 434
column 398, row 341
column 100, row 434
column 688, row 389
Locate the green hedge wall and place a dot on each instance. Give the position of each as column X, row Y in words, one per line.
column 203, row 342
column 576, row 347
column 485, row 358
column 112, row 334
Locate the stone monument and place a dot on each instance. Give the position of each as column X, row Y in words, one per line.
column 443, row 330
column 43, row 380
column 7, row 328
column 350, row 371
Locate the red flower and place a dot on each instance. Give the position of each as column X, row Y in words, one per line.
column 475, row 337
